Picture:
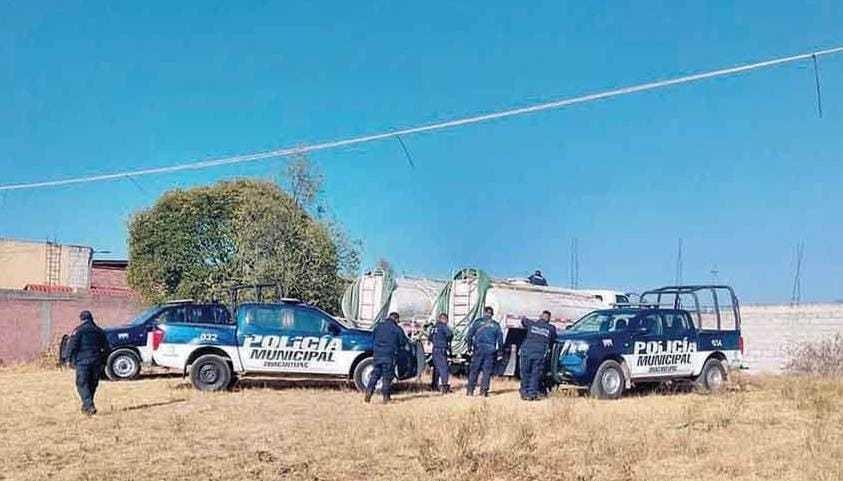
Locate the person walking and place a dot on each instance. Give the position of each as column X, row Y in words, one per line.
column 540, row 336
column 388, row 339
column 440, row 337
column 86, row 351
column 485, row 339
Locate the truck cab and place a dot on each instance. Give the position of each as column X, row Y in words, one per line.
column 289, row 337
column 682, row 333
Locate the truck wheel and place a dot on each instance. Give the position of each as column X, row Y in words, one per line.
column 712, row 378
column 122, row 365
column 362, row 372
column 609, row 381
column 210, row 373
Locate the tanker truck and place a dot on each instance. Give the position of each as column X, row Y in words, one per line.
column 464, row 297
column 372, row 296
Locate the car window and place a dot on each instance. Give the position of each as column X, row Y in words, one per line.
column 268, row 317
column 310, row 321
column 209, row 314
column 650, row 321
column 602, row 321
column 172, row 315
column 675, row 322
column 621, row 299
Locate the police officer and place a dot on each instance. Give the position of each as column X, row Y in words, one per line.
column 388, row 339
column 537, row 279
column 86, row 350
column 485, row 339
column 440, row 337
column 540, row 336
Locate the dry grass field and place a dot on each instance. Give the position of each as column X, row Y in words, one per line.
column 161, row 429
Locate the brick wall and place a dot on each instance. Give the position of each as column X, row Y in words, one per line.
column 108, row 277
column 32, row 322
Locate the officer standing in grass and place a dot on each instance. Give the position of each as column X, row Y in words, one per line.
column 440, row 337
column 388, row 339
column 86, row 350
column 539, row 338
column 485, row 339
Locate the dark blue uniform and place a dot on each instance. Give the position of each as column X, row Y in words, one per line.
column 486, row 340
column 540, row 336
column 537, row 279
column 440, row 337
column 388, row 339
column 87, row 349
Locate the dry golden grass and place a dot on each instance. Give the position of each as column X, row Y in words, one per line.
column 785, row 428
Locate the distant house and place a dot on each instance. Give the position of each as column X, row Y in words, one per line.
column 44, row 265
column 109, row 277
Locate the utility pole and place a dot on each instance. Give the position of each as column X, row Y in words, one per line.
column 575, row 264
column 679, row 264
column 796, row 293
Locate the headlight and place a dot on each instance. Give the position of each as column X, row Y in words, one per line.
column 579, row 347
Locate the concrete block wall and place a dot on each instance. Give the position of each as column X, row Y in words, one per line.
column 770, row 331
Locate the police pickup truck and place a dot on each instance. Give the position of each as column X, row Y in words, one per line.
column 678, row 334
column 130, row 345
column 284, row 338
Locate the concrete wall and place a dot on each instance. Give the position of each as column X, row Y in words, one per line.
column 22, row 263
column 25, row 262
column 770, row 331
column 32, row 322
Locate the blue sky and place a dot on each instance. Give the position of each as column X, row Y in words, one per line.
column 741, row 168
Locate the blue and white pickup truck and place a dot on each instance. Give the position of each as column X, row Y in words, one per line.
column 130, row 345
column 682, row 333
column 285, row 338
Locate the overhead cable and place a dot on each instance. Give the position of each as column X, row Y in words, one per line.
column 557, row 104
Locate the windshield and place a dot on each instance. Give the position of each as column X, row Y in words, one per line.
column 603, row 321
column 144, row 316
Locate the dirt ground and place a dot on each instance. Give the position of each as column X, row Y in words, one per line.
column 160, row 428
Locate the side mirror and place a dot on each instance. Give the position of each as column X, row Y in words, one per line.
column 333, row 329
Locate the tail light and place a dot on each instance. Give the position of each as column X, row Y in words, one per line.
column 740, row 344
column 157, row 338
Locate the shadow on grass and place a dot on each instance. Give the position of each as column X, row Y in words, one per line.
column 151, row 405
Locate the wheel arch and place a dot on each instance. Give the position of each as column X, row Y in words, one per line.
column 207, row 350
column 627, row 375
column 357, row 360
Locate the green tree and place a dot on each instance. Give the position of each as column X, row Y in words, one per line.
column 195, row 242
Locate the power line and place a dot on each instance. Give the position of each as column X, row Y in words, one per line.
column 557, row 104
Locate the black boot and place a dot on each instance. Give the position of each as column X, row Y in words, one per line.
column 445, row 389
column 368, row 396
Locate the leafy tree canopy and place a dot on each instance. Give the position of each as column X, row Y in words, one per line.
column 196, row 242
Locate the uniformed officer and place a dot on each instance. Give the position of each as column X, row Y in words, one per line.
column 537, row 279
column 440, row 337
column 539, row 338
column 388, row 339
column 86, row 350
column 485, row 339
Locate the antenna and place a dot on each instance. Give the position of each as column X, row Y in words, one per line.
column 679, row 264
column 796, row 294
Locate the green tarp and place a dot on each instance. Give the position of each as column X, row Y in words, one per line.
column 461, row 326
column 351, row 298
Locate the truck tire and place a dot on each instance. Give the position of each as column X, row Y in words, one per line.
column 210, row 372
column 122, row 365
column 362, row 372
column 609, row 381
column 712, row 378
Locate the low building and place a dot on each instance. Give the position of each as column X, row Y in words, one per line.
column 44, row 265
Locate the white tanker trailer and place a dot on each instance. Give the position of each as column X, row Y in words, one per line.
column 464, row 298
column 372, row 296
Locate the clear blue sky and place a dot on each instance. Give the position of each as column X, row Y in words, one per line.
column 741, row 168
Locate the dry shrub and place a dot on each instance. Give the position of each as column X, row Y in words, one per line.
column 823, row 358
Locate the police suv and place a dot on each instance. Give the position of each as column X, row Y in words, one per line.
column 130, row 345
column 681, row 333
column 284, row 338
